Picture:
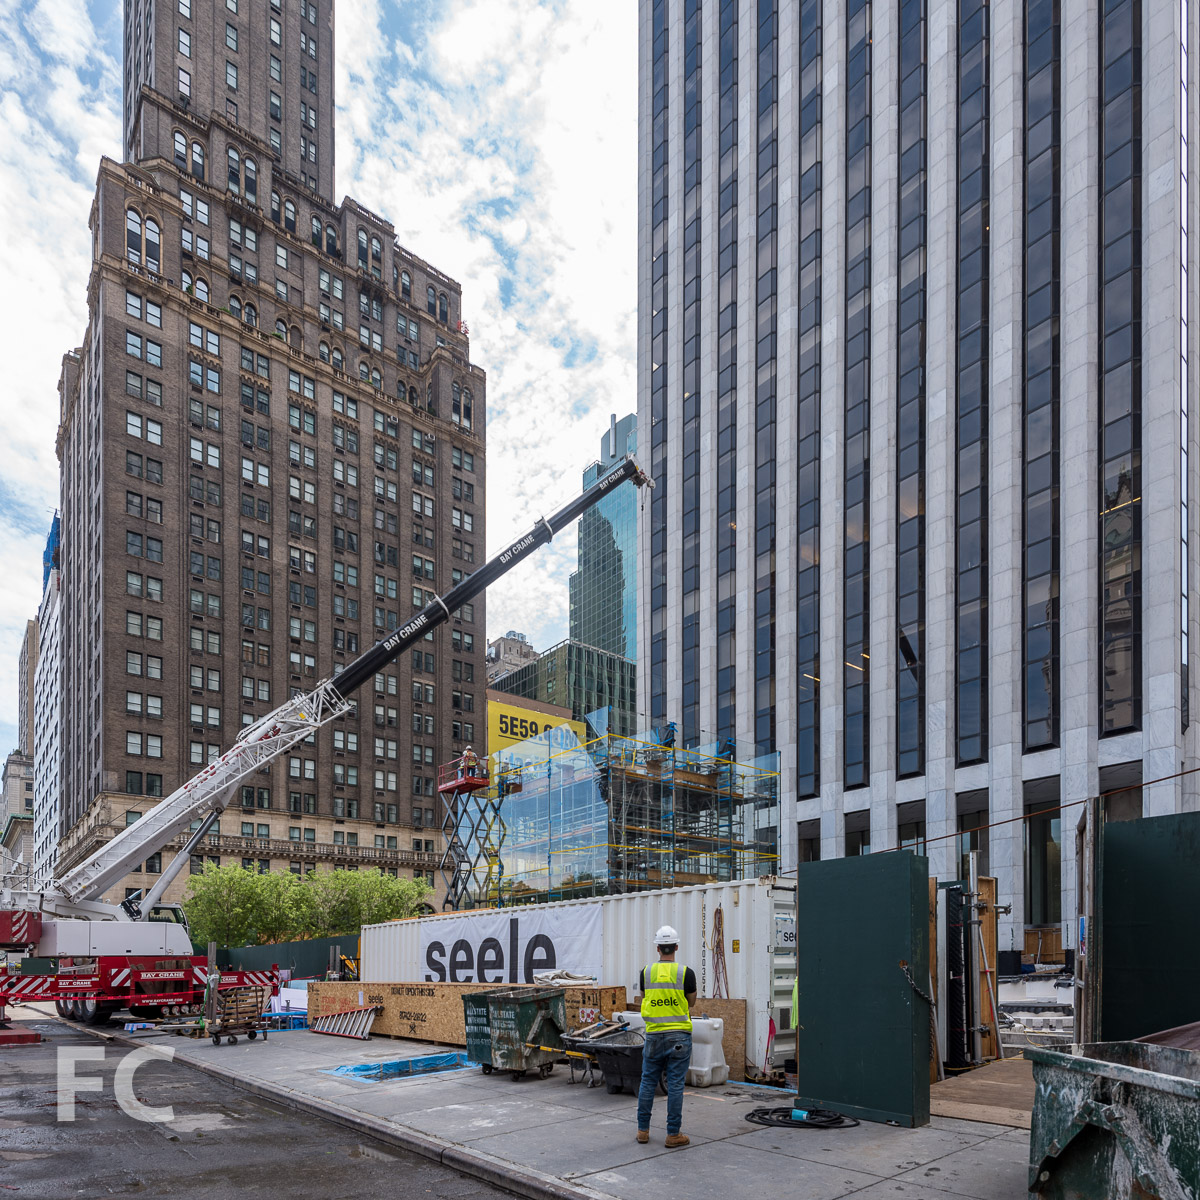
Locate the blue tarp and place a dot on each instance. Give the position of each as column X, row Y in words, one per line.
column 401, row 1068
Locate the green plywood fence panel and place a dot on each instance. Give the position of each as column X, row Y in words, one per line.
column 1149, row 925
column 863, row 1037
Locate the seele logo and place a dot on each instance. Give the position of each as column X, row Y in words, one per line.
column 486, row 960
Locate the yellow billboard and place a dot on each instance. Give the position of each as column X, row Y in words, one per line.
column 510, row 724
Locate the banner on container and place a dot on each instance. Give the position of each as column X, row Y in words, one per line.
column 509, row 945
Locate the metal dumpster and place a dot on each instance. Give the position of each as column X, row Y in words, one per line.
column 1118, row 1120
column 525, row 1027
column 479, row 1030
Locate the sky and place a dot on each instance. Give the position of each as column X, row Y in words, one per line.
column 499, row 137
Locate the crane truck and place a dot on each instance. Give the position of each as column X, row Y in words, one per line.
column 137, row 955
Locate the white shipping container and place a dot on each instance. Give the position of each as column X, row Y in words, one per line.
column 759, row 943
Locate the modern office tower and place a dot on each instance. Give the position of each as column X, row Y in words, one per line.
column 47, row 742
column 914, row 287
column 603, row 589
column 272, row 453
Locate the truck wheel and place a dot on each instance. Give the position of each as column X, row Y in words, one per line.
column 76, row 1010
column 92, row 1012
column 63, row 1008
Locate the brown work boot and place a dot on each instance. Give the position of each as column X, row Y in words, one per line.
column 677, row 1139
column 643, row 1136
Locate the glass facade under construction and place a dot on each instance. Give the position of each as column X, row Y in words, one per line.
column 563, row 818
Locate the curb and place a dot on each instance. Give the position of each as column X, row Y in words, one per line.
column 534, row 1185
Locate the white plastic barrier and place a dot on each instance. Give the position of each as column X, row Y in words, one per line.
column 708, row 1055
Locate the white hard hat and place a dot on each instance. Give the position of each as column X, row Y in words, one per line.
column 666, row 936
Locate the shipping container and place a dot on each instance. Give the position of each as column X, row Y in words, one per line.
column 758, row 946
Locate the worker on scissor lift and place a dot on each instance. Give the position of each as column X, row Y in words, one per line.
column 468, row 764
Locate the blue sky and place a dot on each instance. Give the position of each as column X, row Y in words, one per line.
column 499, row 136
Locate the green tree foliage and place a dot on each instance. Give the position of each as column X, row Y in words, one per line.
column 239, row 906
column 222, row 904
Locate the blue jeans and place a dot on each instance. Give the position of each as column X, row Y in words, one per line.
column 665, row 1056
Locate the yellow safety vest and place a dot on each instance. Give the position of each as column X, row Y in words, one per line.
column 664, row 1004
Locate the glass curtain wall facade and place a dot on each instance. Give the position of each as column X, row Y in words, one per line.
column 727, row 361
column 766, row 302
column 922, row 413
column 971, row 632
column 856, row 621
column 808, row 408
column 910, row 398
column 1042, row 706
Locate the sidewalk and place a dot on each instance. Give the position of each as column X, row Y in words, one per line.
column 547, row 1138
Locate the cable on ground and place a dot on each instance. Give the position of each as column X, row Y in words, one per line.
column 815, row 1118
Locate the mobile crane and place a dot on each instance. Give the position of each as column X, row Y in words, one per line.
column 138, row 954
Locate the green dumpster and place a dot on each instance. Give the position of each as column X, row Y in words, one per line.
column 479, row 1030
column 524, row 1029
column 1117, row 1120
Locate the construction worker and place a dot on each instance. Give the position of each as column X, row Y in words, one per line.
column 667, row 995
column 468, row 764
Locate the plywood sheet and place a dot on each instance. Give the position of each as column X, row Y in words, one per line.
column 1000, row 1093
column 733, row 1040
column 987, row 964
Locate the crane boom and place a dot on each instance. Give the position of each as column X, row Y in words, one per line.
column 210, row 790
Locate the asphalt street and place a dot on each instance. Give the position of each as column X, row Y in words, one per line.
column 220, row 1143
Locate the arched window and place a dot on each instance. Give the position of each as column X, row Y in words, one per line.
column 339, row 359
column 198, row 160
column 133, row 235
column 315, row 227
column 466, row 408
column 443, row 308
column 275, row 206
column 364, row 372
column 431, row 301
column 323, row 351
column 202, row 290
column 235, row 171
column 362, row 248
column 395, row 278
column 250, row 168
column 376, row 378
column 281, row 328
column 250, row 315
column 289, row 216
column 376, row 258
column 235, row 307
column 294, row 337
column 331, row 245
column 152, row 246
column 406, row 285
column 180, row 151
column 187, row 282
column 413, row 397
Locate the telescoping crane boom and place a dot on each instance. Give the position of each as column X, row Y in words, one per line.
column 202, row 798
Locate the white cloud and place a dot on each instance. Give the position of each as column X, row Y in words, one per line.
column 507, row 158
column 500, row 138
column 60, row 110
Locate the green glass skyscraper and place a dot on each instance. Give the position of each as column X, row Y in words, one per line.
column 604, row 588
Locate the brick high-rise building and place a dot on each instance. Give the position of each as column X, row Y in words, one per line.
column 272, row 453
